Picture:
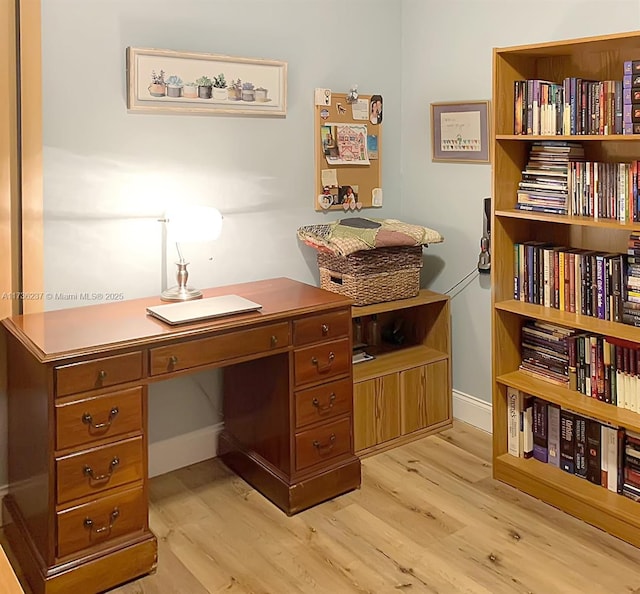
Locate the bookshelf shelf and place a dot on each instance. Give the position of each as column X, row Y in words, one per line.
column 597, row 58
column 568, row 220
column 571, row 399
column 566, row 137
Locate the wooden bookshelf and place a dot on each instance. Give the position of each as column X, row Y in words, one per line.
column 597, row 58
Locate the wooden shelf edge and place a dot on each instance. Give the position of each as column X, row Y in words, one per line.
column 395, row 361
column 572, row 400
column 424, row 297
column 591, row 503
column 514, row 213
column 568, row 137
column 565, row 318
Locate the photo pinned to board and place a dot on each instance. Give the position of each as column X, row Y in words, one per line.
column 375, row 109
column 348, row 197
column 329, row 197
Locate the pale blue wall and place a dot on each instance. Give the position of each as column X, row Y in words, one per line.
column 447, row 56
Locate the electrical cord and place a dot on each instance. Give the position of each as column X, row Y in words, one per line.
column 464, row 278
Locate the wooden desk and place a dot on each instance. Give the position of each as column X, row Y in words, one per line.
column 77, row 506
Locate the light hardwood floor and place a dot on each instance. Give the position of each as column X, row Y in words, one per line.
column 428, row 518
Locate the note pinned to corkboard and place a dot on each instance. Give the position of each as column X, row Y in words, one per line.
column 348, row 153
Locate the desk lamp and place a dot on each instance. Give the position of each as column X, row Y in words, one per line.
column 189, row 224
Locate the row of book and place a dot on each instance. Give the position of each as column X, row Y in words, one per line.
column 603, row 454
column 575, row 106
column 558, row 180
column 602, row 367
column 574, row 280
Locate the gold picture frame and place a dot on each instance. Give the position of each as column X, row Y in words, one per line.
column 167, row 81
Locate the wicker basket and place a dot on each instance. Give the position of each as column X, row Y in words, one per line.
column 373, row 276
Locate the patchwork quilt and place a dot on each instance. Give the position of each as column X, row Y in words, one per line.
column 346, row 236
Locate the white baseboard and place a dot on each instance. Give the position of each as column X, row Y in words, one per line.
column 190, row 448
column 472, row 410
column 182, row 450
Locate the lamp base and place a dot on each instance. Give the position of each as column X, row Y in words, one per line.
column 180, row 294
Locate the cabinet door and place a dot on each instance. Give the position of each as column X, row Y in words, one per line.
column 376, row 411
column 424, row 394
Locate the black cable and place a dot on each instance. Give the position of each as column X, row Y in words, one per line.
column 462, row 280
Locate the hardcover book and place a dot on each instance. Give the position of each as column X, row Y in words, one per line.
column 567, row 441
column 553, row 434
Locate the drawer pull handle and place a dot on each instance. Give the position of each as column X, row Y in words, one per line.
column 102, row 375
column 173, row 361
column 325, row 446
column 274, row 341
column 88, row 471
column 87, row 419
column 113, row 516
column 322, row 368
column 325, row 329
column 332, row 399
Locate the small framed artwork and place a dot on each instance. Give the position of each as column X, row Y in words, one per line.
column 166, row 81
column 460, row 132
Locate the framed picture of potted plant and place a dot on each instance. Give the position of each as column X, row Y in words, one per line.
column 217, row 84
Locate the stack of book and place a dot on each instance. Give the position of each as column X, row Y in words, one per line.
column 544, row 186
column 631, row 303
column 545, row 351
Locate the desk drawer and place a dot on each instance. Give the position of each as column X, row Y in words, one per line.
column 85, row 421
column 322, row 361
column 205, row 351
column 322, row 327
column 323, row 443
column 324, row 402
column 99, row 469
column 98, row 373
column 101, row 520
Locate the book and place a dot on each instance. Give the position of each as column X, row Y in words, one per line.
column 580, row 451
column 594, row 451
column 527, row 426
column 514, row 412
column 567, row 441
column 553, row 434
column 540, row 446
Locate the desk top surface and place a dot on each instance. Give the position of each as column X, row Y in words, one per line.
column 95, row 328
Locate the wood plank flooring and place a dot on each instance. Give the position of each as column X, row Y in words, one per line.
column 428, row 519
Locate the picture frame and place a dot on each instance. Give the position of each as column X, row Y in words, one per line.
column 172, row 82
column 460, row 132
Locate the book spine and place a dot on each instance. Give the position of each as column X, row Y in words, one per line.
column 553, row 434
column 540, row 425
column 593, row 451
column 514, row 407
column 580, row 457
column 567, row 441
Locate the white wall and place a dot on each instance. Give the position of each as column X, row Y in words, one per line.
column 110, row 174
column 447, row 56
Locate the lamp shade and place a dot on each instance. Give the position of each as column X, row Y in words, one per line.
column 193, row 224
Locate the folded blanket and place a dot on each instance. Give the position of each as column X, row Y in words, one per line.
column 346, row 236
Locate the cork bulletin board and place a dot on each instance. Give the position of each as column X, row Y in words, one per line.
column 348, row 153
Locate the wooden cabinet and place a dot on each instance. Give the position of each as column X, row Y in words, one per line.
column 595, row 58
column 405, row 392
